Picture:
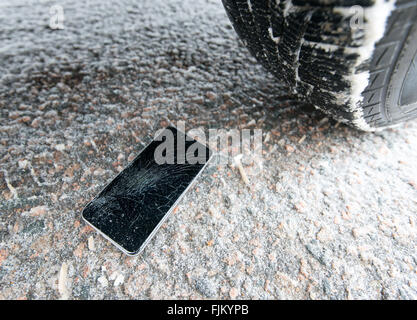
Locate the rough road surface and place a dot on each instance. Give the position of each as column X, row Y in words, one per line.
column 331, row 216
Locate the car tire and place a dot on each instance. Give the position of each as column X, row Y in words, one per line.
column 356, row 60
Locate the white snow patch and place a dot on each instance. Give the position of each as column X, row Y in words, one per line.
column 119, row 280
column 103, row 281
column 324, row 46
column 297, row 54
column 375, row 19
column 271, row 35
column 60, row 147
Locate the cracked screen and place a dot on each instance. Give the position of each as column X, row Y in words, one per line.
column 132, row 205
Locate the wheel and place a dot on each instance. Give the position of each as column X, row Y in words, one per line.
column 354, row 59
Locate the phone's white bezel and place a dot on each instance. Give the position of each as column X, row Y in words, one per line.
column 152, row 234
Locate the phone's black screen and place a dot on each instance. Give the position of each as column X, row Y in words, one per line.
column 132, row 205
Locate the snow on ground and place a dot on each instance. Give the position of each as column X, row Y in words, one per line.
column 332, row 215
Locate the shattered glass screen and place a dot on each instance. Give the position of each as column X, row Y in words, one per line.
column 132, row 205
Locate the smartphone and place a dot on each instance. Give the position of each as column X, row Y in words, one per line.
column 132, row 207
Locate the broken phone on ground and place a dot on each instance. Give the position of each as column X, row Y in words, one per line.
column 133, row 206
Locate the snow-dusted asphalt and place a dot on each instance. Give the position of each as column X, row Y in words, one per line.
column 332, row 215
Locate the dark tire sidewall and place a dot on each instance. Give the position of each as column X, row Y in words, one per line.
column 394, row 112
